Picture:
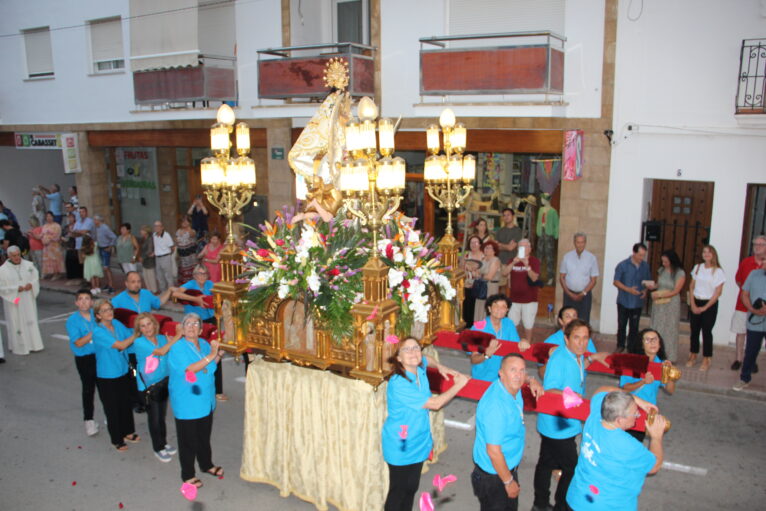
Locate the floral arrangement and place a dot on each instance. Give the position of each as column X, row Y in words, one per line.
column 313, row 261
column 413, row 267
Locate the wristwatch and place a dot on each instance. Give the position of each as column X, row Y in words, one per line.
column 509, row 481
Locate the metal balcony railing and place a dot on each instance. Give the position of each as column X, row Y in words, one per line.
column 520, row 63
column 299, row 70
column 752, row 77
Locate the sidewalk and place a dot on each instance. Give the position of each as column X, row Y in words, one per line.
column 718, row 380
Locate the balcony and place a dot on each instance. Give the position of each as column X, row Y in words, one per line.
column 519, row 63
column 299, row 70
column 752, row 78
column 213, row 79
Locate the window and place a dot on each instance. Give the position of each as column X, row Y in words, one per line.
column 37, row 43
column 106, row 45
column 351, row 21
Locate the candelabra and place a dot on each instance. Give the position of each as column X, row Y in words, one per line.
column 449, row 177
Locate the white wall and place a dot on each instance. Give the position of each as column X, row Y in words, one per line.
column 21, row 169
column 676, row 79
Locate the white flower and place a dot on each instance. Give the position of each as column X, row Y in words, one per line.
column 398, row 257
column 262, row 278
column 395, row 277
column 302, row 254
column 420, row 271
column 283, row 291
column 409, row 259
column 313, row 282
column 382, row 244
column 414, row 237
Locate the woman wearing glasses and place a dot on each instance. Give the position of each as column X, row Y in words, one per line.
column 192, row 363
column 407, row 440
column 110, row 340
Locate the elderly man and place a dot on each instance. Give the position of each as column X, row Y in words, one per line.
column 84, row 226
column 163, row 253
column 754, row 298
column 578, row 273
column 525, row 275
column 739, row 318
column 500, row 431
column 613, row 465
column 629, row 278
column 137, row 299
column 566, row 367
column 19, row 287
column 106, row 238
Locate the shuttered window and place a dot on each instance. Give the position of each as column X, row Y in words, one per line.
column 106, row 45
column 37, row 43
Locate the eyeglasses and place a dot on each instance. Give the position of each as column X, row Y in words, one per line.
column 409, row 349
column 193, row 323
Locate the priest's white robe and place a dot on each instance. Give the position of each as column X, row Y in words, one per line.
column 21, row 306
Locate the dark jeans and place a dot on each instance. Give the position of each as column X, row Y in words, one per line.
column 554, row 454
column 752, row 348
column 115, row 396
column 194, row 444
column 490, row 491
column 582, row 306
column 72, row 265
column 403, row 482
column 469, row 306
column 703, row 322
column 156, row 409
column 627, row 318
column 86, row 367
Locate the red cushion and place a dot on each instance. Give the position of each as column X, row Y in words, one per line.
column 125, row 316
column 168, row 328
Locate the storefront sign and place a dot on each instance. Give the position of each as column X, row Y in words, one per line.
column 277, row 153
column 70, row 152
column 38, row 141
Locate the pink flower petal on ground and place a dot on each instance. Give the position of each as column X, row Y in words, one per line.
column 480, row 324
column 426, row 504
column 16, row 300
column 373, row 314
column 403, row 431
column 120, row 505
column 151, row 364
column 189, row 491
column 191, row 377
column 593, row 489
column 74, row 483
column 571, row 400
column 440, row 482
column 392, row 339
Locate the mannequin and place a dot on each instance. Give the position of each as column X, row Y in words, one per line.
column 547, row 234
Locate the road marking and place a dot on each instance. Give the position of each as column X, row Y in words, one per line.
column 60, row 336
column 698, row 471
column 57, row 317
column 468, row 425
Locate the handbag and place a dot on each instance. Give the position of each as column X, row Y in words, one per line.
column 479, row 289
column 156, row 392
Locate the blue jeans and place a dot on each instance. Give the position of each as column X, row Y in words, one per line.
column 752, row 348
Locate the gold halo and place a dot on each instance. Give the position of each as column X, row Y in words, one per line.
column 336, row 73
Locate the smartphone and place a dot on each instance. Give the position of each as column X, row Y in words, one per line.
column 522, row 252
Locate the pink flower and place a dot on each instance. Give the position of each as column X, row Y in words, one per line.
column 571, row 399
column 426, row 503
column 16, row 300
column 262, row 252
column 373, row 314
column 440, row 482
column 392, row 339
column 151, row 364
column 403, row 431
column 280, row 243
column 390, row 251
column 189, row 491
column 480, row 324
column 191, row 377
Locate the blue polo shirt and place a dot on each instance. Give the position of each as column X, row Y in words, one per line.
column 488, row 370
column 405, row 408
column 499, row 421
column 191, row 400
column 142, row 348
column 146, row 301
column 76, row 327
column 207, row 289
column 630, row 275
column 646, row 392
column 55, row 202
column 558, row 339
column 610, row 460
column 110, row 362
column 562, row 371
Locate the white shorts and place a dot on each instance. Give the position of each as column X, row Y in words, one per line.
column 524, row 313
column 738, row 322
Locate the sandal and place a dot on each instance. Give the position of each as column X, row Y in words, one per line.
column 195, row 482
column 133, row 438
column 222, row 397
column 215, row 471
column 121, row 446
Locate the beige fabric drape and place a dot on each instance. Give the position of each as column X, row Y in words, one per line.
column 166, row 30
column 318, row 436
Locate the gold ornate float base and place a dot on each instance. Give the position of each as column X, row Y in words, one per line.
column 317, row 436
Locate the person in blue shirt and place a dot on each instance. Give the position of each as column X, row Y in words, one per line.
column 647, row 387
column 629, row 278
column 191, row 367
column 137, row 299
column 406, row 435
column 566, row 314
column 79, row 327
column 202, row 283
column 55, row 201
column 111, row 339
column 500, row 431
column 151, row 344
column 485, row 366
column 558, row 451
column 613, row 465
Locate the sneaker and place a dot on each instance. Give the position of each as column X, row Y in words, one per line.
column 736, row 365
column 94, row 291
column 170, row 449
column 163, row 456
column 91, row 428
column 740, row 385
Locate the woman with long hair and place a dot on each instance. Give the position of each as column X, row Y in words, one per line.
column 666, row 300
column 53, row 259
column 481, row 230
column 491, row 272
column 471, row 262
column 407, row 439
column 186, row 241
column 91, row 262
column 705, row 289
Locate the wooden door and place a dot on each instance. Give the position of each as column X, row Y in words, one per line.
column 682, row 212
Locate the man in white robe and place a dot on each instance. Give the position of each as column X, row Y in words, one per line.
column 19, row 287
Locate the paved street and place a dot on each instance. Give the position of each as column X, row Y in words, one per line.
column 49, row 463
